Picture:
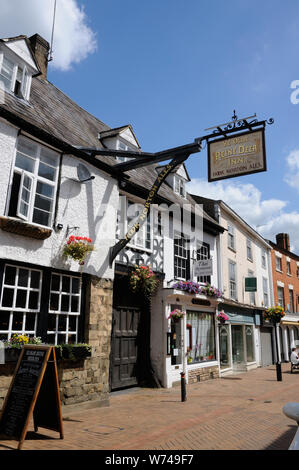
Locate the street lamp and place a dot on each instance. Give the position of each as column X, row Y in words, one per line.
column 274, row 315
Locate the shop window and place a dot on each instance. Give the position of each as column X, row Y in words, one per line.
column 64, row 309
column 33, row 186
column 20, row 301
column 249, row 343
column 224, row 346
column 200, row 336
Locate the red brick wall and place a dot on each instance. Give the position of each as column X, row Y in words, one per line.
column 285, row 278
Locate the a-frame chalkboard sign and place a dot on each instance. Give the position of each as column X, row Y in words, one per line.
column 34, row 391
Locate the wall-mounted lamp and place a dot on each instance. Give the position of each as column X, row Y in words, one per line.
column 70, row 229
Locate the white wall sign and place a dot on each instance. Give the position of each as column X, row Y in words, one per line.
column 203, row 268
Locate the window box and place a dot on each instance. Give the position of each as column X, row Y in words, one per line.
column 22, row 228
column 72, row 352
column 12, row 354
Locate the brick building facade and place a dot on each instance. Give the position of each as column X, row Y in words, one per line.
column 285, row 265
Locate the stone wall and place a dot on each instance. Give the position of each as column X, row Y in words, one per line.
column 85, row 381
column 203, row 373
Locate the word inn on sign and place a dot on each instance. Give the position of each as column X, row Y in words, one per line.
column 237, row 156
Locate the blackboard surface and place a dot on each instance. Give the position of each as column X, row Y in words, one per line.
column 34, row 389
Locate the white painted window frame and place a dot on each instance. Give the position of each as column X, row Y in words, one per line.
column 36, row 178
column 26, row 77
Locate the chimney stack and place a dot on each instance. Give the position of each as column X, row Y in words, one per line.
column 283, row 241
column 40, row 48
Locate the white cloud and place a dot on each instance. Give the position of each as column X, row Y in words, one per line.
column 266, row 216
column 292, row 177
column 74, row 40
column 245, row 199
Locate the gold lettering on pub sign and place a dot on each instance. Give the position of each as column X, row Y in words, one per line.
column 238, row 155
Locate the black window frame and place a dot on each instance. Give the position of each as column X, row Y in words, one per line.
column 43, row 313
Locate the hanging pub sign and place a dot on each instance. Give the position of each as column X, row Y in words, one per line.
column 241, row 154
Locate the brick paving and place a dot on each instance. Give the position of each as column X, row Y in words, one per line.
column 237, row 412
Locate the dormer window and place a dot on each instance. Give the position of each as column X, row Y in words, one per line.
column 14, row 77
column 122, row 146
column 179, row 186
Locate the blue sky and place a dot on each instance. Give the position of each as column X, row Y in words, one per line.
column 172, row 68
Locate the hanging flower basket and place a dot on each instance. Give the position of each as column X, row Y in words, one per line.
column 143, row 280
column 274, row 314
column 222, row 317
column 77, row 248
column 176, row 315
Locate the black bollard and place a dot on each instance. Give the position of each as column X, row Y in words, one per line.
column 183, row 387
column 278, row 372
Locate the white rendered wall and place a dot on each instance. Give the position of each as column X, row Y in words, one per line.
column 91, row 206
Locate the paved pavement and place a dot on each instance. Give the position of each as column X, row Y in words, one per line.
column 238, row 412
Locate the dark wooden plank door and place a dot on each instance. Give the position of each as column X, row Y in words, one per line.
column 124, row 347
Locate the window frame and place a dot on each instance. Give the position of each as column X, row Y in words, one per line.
column 200, row 246
column 232, row 281
column 291, row 297
column 265, row 292
column 42, row 312
column 179, row 186
column 249, row 250
column 36, row 179
column 178, row 257
column 251, row 294
column 278, row 258
column 280, row 289
column 231, row 237
column 145, row 229
column 264, row 259
column 25, row 310
column 60, row 313
column 24, row 89
column 201, row 316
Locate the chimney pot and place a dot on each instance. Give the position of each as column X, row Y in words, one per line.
column 40, row 48
column 283, row 241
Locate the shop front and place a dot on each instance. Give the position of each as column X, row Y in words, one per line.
column 187, row 344
column 238, row 340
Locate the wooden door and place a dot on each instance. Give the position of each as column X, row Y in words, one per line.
column 124, row 347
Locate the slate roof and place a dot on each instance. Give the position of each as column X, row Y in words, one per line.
column 60, row 118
